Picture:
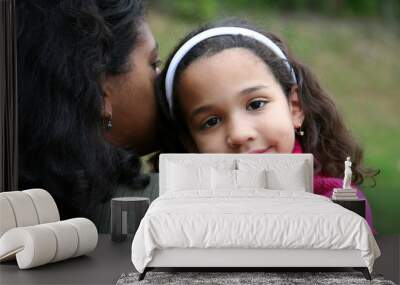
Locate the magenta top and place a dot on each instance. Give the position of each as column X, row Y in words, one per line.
column 323, row 185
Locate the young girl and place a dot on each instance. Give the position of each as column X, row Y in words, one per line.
column 230, row 88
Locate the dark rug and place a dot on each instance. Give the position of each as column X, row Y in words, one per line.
column 228, row 278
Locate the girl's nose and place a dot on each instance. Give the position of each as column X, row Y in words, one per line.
column 239, row 133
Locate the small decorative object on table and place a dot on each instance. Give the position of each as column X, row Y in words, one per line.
column 347, row 196
column 345, row 193
column 121, row 209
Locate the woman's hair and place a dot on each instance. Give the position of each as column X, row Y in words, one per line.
column 326, row 136
column 65, row 49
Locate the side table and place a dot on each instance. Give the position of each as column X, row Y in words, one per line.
column 357, row 206
column 126, row 214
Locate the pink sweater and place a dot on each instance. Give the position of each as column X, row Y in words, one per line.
column 323, row 185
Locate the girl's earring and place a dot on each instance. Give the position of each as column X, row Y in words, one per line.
column 299, row 132
column 109, row 123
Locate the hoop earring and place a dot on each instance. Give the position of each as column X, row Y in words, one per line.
column 109, row 123
column 299, row 132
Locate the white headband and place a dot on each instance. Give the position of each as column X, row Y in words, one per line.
column 220, row 31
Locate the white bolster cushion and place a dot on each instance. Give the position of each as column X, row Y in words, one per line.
column 40, row 244
column 26, row 208
column 7, row 219
column 45, row 205
column 67, row 240
column 23, row 209
column 87, row 235
column 32, row 246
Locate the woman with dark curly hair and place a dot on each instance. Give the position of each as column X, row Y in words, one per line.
column 86, row 100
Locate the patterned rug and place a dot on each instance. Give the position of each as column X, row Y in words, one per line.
column 270, row 278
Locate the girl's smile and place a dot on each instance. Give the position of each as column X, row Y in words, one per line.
column 266, row 150
column 232, row 103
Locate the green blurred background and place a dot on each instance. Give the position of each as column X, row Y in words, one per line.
column 352, row 46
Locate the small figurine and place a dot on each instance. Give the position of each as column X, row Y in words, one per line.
column 347, row 174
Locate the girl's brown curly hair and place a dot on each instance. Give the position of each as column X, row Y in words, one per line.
column 326, row 136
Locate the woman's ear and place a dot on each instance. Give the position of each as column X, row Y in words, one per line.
column 106, row 86
column 295, row 107
column 107, row 107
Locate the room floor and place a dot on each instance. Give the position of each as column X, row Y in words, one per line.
column 388, row 263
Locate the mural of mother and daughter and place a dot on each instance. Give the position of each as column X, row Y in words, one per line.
column 93, row 99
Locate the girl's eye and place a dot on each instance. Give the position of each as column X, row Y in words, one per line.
column 256, row 105
column 210, row 123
